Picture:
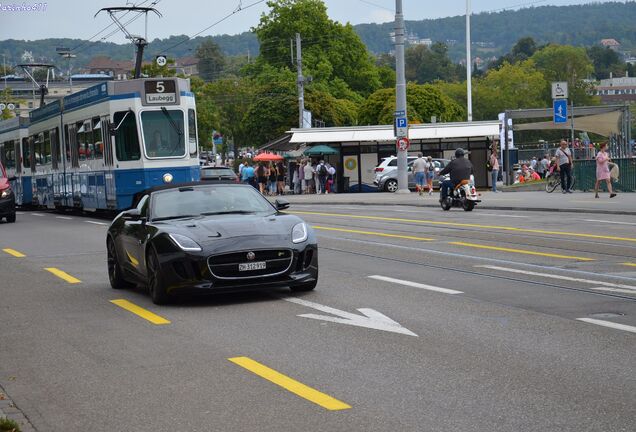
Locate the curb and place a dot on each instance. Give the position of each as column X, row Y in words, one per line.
column 485, row 207
column 9, row 410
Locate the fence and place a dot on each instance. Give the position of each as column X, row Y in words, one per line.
column 585, row 173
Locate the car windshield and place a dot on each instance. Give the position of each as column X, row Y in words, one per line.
column 163, row 133
column 217, row 172
column 193, row 201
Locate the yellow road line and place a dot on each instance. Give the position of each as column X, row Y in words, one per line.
column 372, row 233
column 469, row 225
column 630, row 264
column 139, row 311
column 290, row 384
column 14, row 252
column 63, row 275
column 520, row 251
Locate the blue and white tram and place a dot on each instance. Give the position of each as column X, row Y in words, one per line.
column 117, row 138
column 13, row 133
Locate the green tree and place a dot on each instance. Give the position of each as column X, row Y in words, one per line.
column 211, row 60
column 424, row 102
column 208, row 115
column 509, row 87
column 425, row 65
column 566, row 63
column 152, row 69
column 332, row 53
column 605, row 61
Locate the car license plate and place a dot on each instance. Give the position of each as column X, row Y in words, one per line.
column 260, row 265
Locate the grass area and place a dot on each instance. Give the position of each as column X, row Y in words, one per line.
column 7, row 425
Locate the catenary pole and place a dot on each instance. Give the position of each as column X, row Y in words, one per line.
column 301, row 82
column 469, row 66
column 400, row 94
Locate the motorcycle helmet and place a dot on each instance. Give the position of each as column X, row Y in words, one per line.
column 459, row 152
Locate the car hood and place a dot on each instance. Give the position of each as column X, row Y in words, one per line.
column 213, row 228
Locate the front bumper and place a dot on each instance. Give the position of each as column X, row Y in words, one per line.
column 7, row 205
column 191, row 273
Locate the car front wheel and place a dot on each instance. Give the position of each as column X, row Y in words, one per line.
column 156, row 286
column 391, row 185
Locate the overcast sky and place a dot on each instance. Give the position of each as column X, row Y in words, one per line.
column 74, row 18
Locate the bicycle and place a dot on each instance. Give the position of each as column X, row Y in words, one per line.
column 553, row 181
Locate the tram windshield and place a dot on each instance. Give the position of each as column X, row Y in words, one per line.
column 163, row 133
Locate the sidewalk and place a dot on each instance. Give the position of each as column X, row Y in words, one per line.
column 623, row 204
column 10, row 411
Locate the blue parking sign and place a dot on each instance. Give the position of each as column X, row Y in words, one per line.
column 401, row 122
column 560, row 113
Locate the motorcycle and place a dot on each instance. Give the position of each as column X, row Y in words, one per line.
column 464, row 195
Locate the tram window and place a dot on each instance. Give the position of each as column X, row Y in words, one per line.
column 8, row 154
column 3, row 157
column 192, row 132
column 45, row 151
column 67, row 144
column 163, row 133
column 37, row 151
column 80, row 140
column 16, row 152
column 26, row 153
column 126, row 138
column 56, row 148
column 97, row 138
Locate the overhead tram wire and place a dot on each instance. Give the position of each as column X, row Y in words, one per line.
column 234, row 12
column 88, row 41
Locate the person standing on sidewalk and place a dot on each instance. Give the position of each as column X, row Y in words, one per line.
column 419, row 169
column 564, row 166
column 494, row 166
column 603, row 171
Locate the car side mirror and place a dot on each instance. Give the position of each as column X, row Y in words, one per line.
column 12, row 178
column 132, row 215
column 281, row 204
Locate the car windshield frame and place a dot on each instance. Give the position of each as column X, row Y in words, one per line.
column 225, row 199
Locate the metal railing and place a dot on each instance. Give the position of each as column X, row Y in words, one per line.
column 585, row 173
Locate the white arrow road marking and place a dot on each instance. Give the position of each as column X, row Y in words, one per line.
column 371, row 318
column 416, row 285
column 612, row 287
column 608, row 324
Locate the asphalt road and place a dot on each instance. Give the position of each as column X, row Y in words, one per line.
column 468, row 322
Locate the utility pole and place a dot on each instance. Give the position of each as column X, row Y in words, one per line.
column 301, row 82
column 4, row 69
column 65, row 53
column 469, row 65
column 400, row 99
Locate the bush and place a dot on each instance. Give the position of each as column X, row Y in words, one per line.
column 7, row 425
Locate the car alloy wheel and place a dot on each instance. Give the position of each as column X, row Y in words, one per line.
column 391, row 186
column 115, row 275
column 156, row 287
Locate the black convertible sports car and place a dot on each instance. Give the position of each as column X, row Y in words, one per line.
column 214, row 237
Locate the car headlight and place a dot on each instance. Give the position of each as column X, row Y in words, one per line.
column 185, row 243
column 6, row 193
column 299, row 233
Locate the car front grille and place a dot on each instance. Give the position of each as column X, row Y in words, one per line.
column 226, row 266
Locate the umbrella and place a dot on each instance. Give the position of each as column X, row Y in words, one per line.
column 293, row 154
column 267, row 157
column 321, row 150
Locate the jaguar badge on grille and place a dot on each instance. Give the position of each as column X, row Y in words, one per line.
column 251, row 256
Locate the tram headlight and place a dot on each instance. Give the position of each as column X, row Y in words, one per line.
column 167, row 178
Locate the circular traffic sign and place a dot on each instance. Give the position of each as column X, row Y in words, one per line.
column 11, row 107
column 403, row 144
column 161, row 60
column 2, row 106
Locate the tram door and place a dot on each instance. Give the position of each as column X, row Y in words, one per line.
column 109, row 178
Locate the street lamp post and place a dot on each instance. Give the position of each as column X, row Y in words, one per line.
column 469, row 66
column 400, row 97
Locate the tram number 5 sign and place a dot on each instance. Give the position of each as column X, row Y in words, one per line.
column 403, row 144
column 160, row 92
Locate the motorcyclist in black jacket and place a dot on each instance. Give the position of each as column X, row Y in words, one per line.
column 459, row 169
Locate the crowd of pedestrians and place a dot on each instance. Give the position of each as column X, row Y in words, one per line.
column 313, row 177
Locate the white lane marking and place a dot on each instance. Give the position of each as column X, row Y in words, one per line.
column 455, row 255
column 96, row 223
column 610, row 324
column 501, row 215
column 36, row 214
column 415, row 285
column 63, row 217
column 612, row 286
column 370, row 319
column 609, row 222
